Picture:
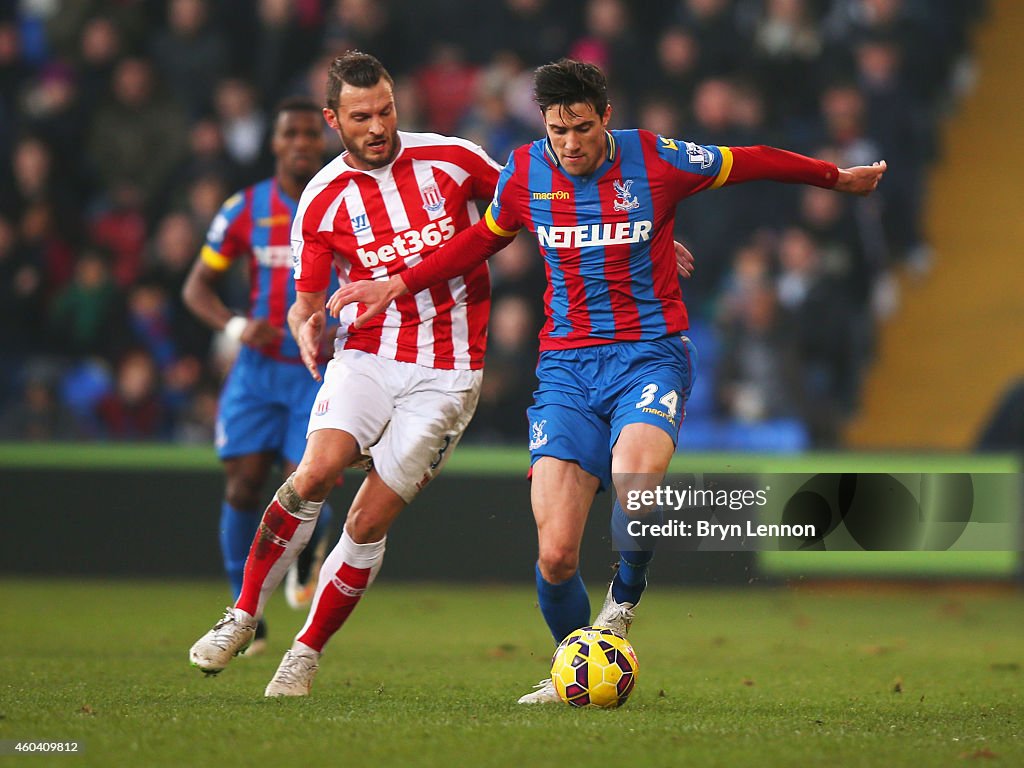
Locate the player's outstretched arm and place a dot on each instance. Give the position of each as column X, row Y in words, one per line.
column 860, row 179
column 773, row 164
column 307, row 320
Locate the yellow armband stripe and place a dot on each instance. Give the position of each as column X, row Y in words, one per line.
column 495, row 228
column 213, row 259
column 723, row 174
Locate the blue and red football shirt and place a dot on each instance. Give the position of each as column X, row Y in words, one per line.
column 606, row 238
column 256, row 223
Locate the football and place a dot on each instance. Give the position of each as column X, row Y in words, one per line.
column 594, row 667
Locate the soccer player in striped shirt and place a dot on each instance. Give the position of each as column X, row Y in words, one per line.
column 400, row 390
column 265, row 403
column 615, row 369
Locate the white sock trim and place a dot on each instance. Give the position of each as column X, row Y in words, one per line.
column 294, row 504
column 309, row 510
column 361, row 555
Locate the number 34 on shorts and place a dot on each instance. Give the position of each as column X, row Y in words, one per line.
column 669, row 401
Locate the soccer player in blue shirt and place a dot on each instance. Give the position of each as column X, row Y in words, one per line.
column 265, row 405
column 615, row 369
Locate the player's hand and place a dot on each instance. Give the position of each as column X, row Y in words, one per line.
column 258, row 333
column 684, row 259
column 860, row 179
column 375, row 294
column 309, row 342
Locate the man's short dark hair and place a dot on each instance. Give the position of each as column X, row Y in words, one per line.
column 356, row 68
column 567, row 82
column 295, row 104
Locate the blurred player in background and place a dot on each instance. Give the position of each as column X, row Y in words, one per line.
column 402, row 389
column 265, row 404
column 615, row 370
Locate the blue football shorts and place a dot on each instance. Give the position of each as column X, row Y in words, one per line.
column 265, row 406
column 587, row 395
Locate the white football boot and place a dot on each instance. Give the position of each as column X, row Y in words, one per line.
column 294, row 676
column 229, row 637
column 615, row 616
column 544, row 693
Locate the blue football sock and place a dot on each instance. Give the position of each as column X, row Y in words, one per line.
column 631, row 579
column 565, row 606
column 237, row 530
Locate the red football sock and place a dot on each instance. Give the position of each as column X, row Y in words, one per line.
column 336, row 602
column 347, row 573
column 277, row 528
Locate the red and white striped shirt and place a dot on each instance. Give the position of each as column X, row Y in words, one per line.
column 378, row 223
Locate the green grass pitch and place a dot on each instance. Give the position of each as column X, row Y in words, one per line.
column 504, row 460
column 428, row 675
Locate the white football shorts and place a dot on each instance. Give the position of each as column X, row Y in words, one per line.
column 407, row 417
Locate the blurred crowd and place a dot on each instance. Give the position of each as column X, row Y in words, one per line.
column 125, row 123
